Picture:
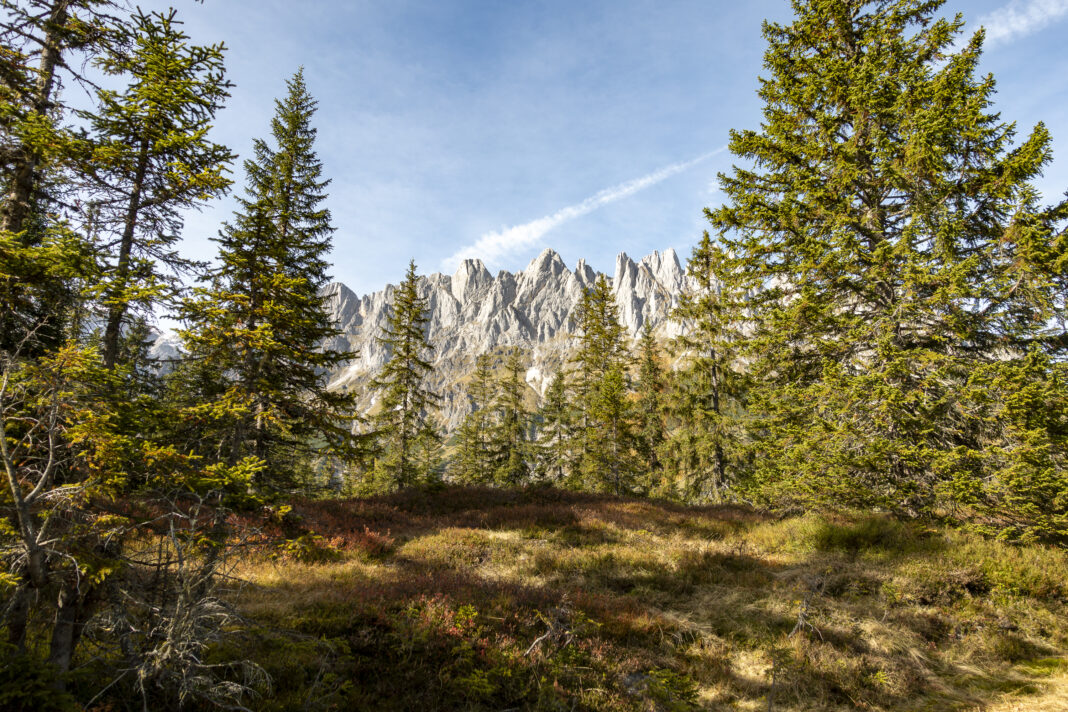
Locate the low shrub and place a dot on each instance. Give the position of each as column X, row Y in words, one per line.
column 28, row 684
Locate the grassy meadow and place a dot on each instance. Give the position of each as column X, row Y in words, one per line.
column 540, row 599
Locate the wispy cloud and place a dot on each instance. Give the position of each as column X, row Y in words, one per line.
column 1019, row 19
column 494, row 245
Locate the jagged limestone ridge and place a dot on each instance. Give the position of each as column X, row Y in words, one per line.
column 473, row 312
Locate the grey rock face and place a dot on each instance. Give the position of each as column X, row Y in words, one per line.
column 473, row 312
column 165, row 349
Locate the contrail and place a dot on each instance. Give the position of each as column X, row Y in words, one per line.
column 493, row 245
column 1018, row 19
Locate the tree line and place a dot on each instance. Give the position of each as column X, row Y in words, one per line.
column 878, row 322
column 875, row 320
column 125, row 477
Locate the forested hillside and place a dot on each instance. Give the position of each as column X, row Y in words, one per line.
column 837, row 481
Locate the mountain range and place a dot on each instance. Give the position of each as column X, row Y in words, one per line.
column 472, row 312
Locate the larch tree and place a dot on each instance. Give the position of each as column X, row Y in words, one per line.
column 254, row 332
column 405, row 401
column 905, row 274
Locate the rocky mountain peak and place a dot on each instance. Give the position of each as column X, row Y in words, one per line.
column 473, row 312
column 546, row 265
column 470, row 277
column 585, row 274
column 666, row 268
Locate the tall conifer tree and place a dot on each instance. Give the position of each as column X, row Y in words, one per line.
column 649, row 410
column 902, row 266
column 258, row 326
column 606, row 461
column 609, row 463
column 77, row 444
column 152, row 159
column 474, row 460
column 510, row 443
column 47, row 44
column 406, row 403
column 710, row 388
column 555, row 444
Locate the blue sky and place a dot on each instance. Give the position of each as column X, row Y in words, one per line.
column 497, row 128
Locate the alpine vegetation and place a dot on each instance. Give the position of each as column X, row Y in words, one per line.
column 822, row 467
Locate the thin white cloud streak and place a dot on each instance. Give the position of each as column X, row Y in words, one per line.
column 1019, row 19
column 494, row 245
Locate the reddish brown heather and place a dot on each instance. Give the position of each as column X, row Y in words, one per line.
column 477, row 598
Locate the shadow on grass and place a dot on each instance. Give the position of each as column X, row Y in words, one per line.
column 418, row 510
column 426, row 637
column 550, row 600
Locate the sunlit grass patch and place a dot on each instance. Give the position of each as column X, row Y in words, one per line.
column 550, row 600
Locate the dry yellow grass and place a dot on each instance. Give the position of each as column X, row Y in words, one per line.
column 1051, row 697
column 485, row 599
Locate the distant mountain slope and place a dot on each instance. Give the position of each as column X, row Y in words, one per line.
column 472, row 312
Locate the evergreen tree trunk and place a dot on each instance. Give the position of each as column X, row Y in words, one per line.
column 720, row 480
column 17, row 616
column 118, row 306
column 61, row 647
column 75, row 604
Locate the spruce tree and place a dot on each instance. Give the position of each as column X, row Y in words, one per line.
column 602, row 342
column 47, row 44
column 886, row 221
column 555, row 444
column 606, row 460
column 47, row 262
column 683, row 453
column 510, row 443
column 152, row 160
column 82, row 444
column 649, row 410
column 254, row 332
column 609, row 462
column 429, row 451
column 709, row 400
column 405, row 402
column 474, row 460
